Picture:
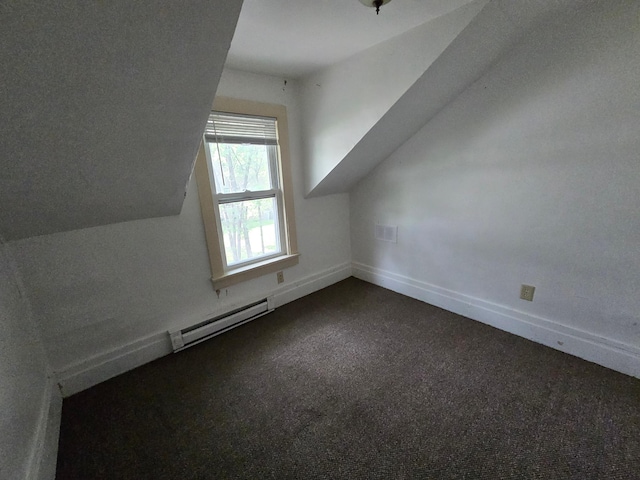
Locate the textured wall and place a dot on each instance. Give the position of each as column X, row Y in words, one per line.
column 23, row 375
column 98, row 289
column 101, row 107
column 532, row 175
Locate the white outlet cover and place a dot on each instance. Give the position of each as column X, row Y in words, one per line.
column 387, row 233
column 527, row 292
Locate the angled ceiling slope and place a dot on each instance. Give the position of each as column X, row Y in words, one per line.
column 491, row 34
column 102, row 106
column 343, row 102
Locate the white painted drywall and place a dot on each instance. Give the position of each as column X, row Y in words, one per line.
column 23, row 377
column 342, row 102
column 293, row 38
column 102, row 105
column 532, row 176
column 99, row 289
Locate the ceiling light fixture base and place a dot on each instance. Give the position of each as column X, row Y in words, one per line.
column 375, row 3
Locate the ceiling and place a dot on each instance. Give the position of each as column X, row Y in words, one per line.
column 292, row 38
column 102, row 106
column 489, row 36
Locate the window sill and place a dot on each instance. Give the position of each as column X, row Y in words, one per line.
column 254, row 270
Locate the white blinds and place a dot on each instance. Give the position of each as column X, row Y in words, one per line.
column 232, row 128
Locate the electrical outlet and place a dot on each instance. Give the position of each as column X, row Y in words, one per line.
column 280, row 276
column 526, row 292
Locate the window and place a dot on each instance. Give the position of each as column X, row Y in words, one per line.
column 244, row 183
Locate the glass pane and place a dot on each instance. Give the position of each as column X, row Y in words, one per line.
column 250, row 229
column 240, row 167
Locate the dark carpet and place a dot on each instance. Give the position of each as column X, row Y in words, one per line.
column 357, row 382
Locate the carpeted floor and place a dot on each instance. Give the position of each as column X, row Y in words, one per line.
column 357, row 382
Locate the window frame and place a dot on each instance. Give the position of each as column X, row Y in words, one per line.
column 274, row 192
column 222, row 275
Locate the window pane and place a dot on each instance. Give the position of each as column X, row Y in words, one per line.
column 240, row 167
column 250, row 229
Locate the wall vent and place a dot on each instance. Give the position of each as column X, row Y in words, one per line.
column 387, row 233
column 187, row 337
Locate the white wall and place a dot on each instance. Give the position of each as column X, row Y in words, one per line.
column 531, row 176
column 92, row 90
column 24, row 386
column 342, row 102
column 104, row 292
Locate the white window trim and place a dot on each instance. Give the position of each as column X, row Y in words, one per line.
column 223, row 277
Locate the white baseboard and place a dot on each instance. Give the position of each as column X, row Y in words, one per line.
column 44, row 453
column 588, row 346
column 312, row 283
column 97, row 369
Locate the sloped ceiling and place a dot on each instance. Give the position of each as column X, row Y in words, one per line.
column 102, row 105
column 493, row 32
column 343, row 102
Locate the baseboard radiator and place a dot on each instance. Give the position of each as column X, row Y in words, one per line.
column 187, row 337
